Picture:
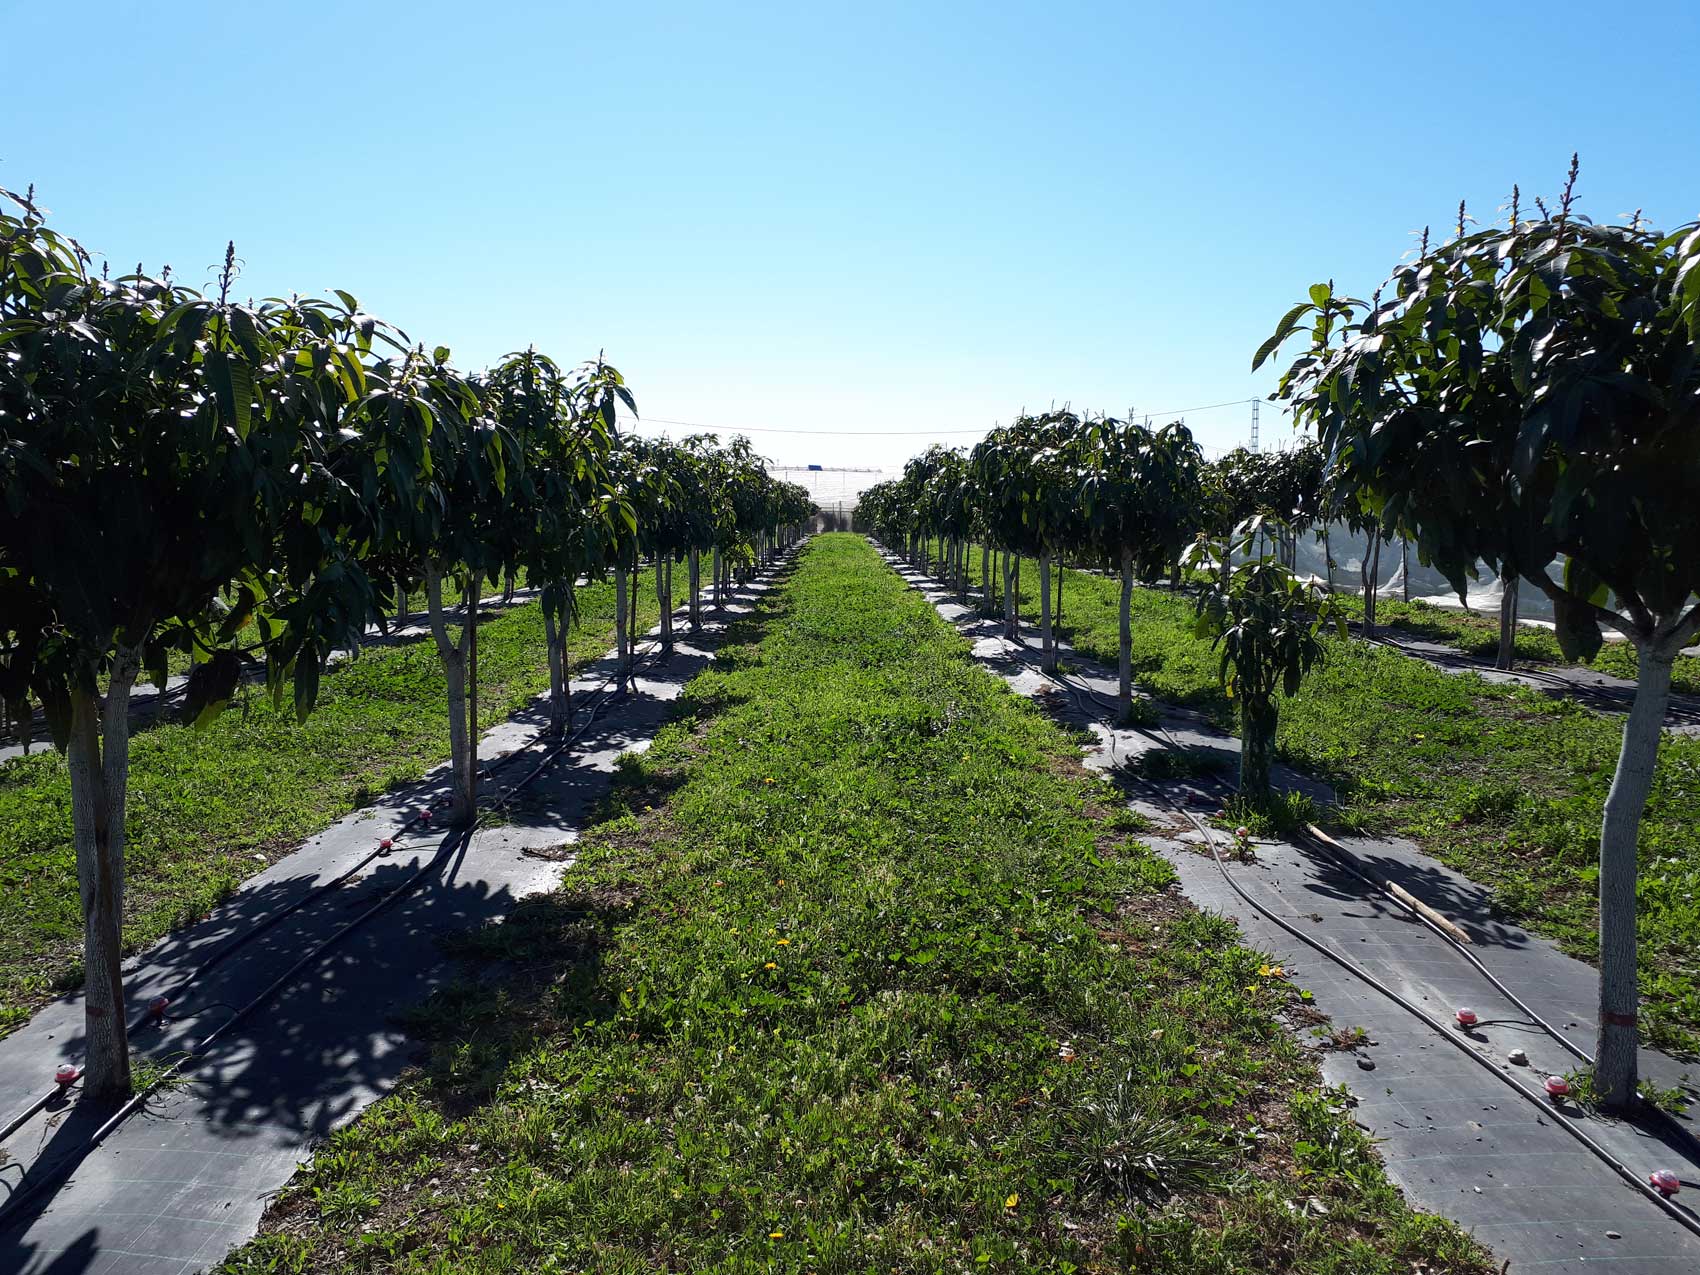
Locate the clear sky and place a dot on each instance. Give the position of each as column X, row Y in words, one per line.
column 821, row 217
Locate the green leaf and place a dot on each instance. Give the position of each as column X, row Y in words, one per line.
column 306, row 681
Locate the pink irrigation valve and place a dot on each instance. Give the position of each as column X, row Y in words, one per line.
column 1664, row 1182
column 158, row 1005
column 66, row 1074
column 1466, row 1016
column 1557, row 1087
column 386, row 845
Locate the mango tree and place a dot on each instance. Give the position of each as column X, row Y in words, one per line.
column 1595, row 330
column 1268, row 626
column 1027, row 482
column 1139, row 495
column 562, row 423
column 163, row 479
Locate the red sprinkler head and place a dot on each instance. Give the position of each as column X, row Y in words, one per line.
column 425, row 815
column 386, row 845
column 158, row 1005
column 1664, row 1182
column 1558, row 1087
column 66, row 1074
column 1466, row 1016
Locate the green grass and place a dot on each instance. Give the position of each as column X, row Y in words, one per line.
column 1505, row 784
column 208, row 808
column 1476, row 634
column 860, row 971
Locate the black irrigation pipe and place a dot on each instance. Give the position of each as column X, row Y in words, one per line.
column 29, row 1187
column 1679, row 1213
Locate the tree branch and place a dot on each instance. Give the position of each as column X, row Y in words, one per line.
column 434, row 609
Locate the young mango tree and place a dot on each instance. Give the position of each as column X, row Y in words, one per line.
column 1595, row 329
column 1027, row 480
column 160, row 484
column 1139, row 496
column 1268, row 626
column 562, row 423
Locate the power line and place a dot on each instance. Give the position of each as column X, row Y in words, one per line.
column 899, row 433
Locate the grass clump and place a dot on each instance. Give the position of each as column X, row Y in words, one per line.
column 875, row 982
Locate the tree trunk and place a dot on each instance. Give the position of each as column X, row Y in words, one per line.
column 664, row 599
column 1615, row 1063
column 1371, row 577
column 472, row 672
column 98, row 759
column 716, row 572
column 554, row 635
column 694, row 567
column 621, row 643
column 1047, row 643
column 1405, row 567
column 1124, row 692
column 1328, row 557
column 463, row 747
column 1507, row 622
column 1008, row 599
column 1257, row 744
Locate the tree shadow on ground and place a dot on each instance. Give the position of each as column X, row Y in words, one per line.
column 463, row 957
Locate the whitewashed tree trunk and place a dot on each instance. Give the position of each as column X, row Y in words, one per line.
column 1124, row 691
column 1047, row 643
column 560, row 688
column 1615, row 1064
column 1008, row 599
column 1507, row 622
column 664, row 600
column 463, row 747
column 622, row 646
column 694, row 566
column 98, row 759
column 1371, row 578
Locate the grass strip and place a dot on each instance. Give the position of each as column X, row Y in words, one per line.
column 1505, row 784
column 859, row 971
column 209, row 808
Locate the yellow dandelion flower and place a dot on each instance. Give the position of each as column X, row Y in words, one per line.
column 1271, row 971
column 771, row 965
column 1013, row 1200
column 775, row 1235
column 784, row 942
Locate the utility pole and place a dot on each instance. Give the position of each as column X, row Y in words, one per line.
column 1255, row 404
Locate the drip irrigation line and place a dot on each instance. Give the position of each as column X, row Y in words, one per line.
column 1679, row 1213
column 28, row 1187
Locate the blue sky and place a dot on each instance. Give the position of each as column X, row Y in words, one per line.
column 838, row 217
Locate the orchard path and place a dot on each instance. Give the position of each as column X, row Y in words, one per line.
column 1457, row 1140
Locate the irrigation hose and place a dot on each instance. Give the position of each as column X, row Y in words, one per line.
column 1677, row 1212
column 30, row 1186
